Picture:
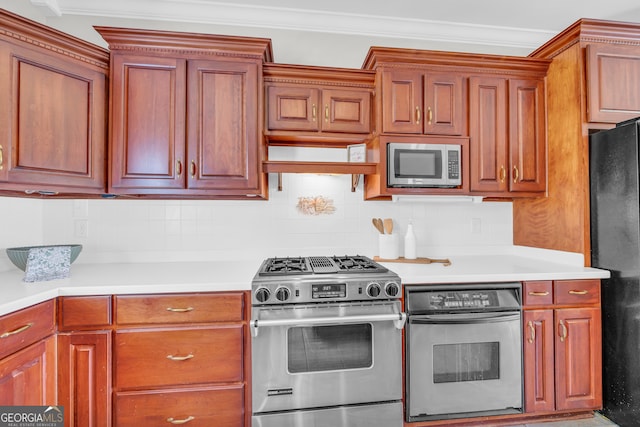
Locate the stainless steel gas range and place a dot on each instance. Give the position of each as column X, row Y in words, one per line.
column 327, row 343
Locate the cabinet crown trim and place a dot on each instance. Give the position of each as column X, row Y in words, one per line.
column 482, row 63
column 43, row 37
column 187, row 44
column 590, row 31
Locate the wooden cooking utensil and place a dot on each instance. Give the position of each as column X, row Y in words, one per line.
column 377, row 223
column 388, row 225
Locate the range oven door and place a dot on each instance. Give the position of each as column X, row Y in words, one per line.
column 464, row 365
column 325, row 355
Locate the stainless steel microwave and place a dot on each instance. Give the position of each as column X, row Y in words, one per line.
column 424, row 165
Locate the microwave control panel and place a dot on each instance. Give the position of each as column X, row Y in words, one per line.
column 453, row 160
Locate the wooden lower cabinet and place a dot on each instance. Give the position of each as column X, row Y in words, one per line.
column 180, row 358
column 197, row 407
column 562, row 346
column 84, row 378
column 27, row 377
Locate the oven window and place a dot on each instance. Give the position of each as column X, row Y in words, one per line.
column 330, row 348
column 454, row 363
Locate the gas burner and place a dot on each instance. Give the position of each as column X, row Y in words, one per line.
column 287, row 265
column 357, row 264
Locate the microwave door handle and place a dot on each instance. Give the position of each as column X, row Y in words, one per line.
column 464, row 319
column 398, row 319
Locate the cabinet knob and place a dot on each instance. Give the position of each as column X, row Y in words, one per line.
column 503, row 173
column 429, row 116
column 193, row 169
column 179, row 168
column 314, row 112
column 516, row 174
column 1, row 158
column 572, row 292
column 326, row 113
column 418, row 115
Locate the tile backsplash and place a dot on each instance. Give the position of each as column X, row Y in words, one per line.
column 124, row 230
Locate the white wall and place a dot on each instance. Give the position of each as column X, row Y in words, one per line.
column 177, row 230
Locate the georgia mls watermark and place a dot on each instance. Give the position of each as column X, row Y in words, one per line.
column 31, row 416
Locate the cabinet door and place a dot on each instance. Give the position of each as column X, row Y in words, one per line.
column 488, row 132
column 539, row 384
column 53, row 122
column 527, row 137
column 293, row 108
column 27, row 378
column 402, row 101
column 84, row 378
column 444, row 110
column 578, row 344
column 148, row 123
column 613, row 83
column 346, row 111
column 223, row 147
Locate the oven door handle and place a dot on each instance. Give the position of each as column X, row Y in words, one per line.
column 398, row 319
column 464, row 318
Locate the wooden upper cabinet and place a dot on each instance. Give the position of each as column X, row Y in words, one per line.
column 507, row 130
column 53, row 91
column 527, row 135
column 186, row 113
column 488, row 129
column 317, row 106
column 419, row 102
column 148, row 123
column 223, row 150
column 613, row 83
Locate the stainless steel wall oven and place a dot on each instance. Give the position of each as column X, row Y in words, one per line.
column 463, row 350
column 327, row 343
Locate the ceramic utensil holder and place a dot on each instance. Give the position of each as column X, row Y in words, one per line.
column 388, row 247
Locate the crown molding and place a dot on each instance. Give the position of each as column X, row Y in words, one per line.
column 48, row 7
column 219, row 13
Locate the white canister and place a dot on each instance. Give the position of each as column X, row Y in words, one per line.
column 388, row 246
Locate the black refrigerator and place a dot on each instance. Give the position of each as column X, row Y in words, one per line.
column 615, row 246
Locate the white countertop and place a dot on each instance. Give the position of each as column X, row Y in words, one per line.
column 513, row 264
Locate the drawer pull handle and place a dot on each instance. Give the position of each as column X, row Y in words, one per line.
column 180, row 358
column 532, row 337
column 182, row 421
column 578, row 292
column 179, row 310
column 16, row 331
column 539, row 294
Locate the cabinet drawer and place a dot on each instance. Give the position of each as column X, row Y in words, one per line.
column 178, row 308
column 24, row 327
column 179, row 356
column 222, row 407
column 78, row 313
column 577, row 292
column 538, row 293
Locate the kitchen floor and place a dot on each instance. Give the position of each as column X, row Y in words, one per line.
column 597, row 421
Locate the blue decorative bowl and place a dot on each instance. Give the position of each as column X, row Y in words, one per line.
column 18, row 256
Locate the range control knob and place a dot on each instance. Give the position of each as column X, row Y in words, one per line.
column 262, row 294
column 392, row 289
column 283, row 293
column 374, row 289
